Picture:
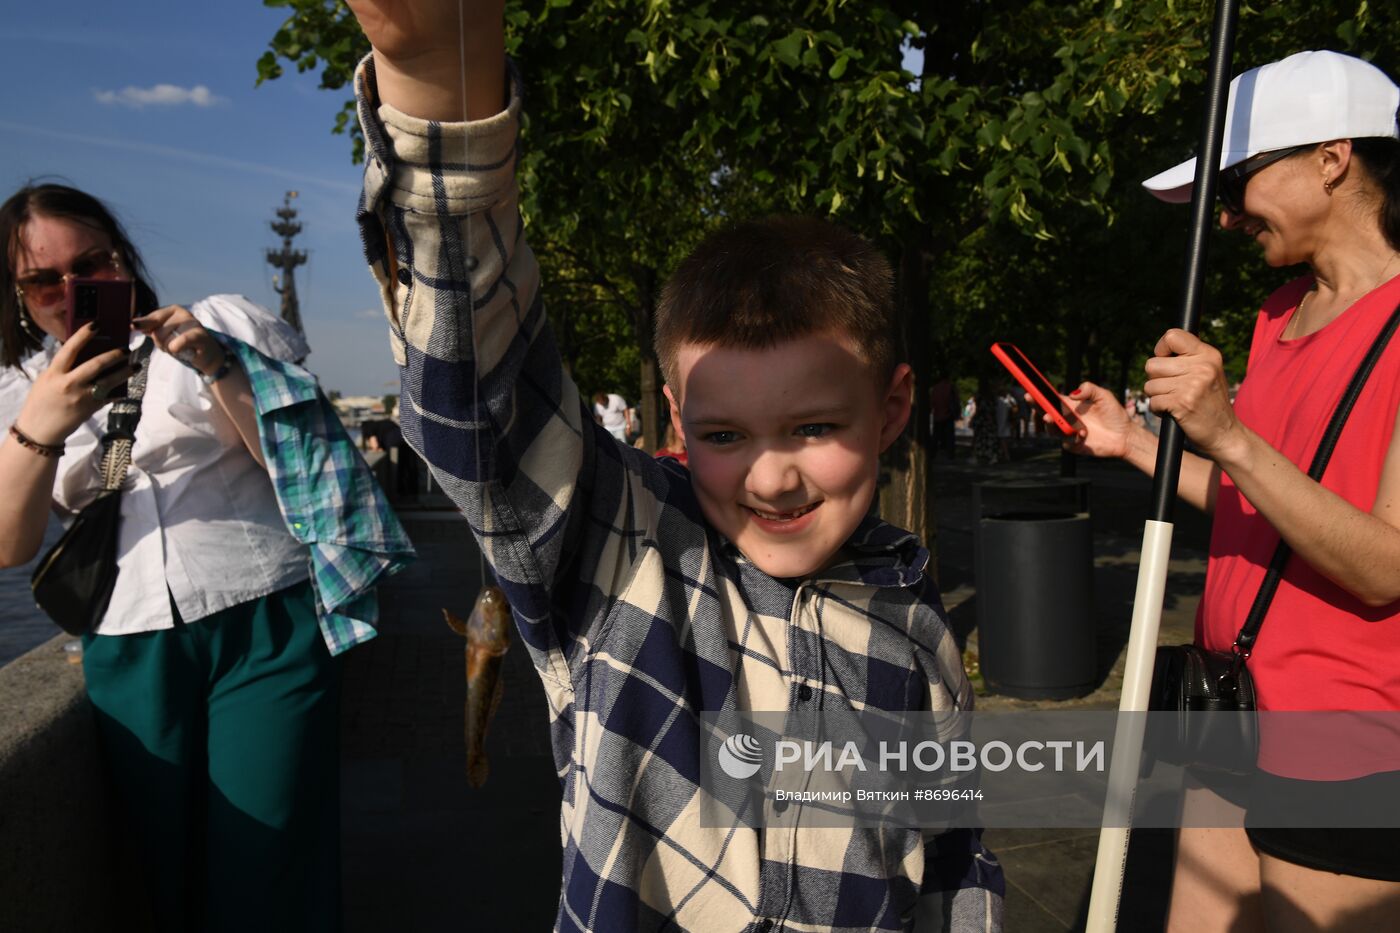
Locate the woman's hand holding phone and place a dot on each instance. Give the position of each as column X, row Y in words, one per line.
column 68, row 392
column 1104, row 429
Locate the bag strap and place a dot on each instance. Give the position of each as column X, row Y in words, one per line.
column 122, row 419
column 1244, row 642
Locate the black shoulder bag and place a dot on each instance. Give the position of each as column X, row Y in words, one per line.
column 1187, row 679
column 73, row 582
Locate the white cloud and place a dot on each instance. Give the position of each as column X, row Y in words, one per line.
column 160, row 95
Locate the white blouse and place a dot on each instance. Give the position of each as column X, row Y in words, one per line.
column 199, row 515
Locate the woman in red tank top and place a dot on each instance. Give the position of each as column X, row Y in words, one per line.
column 1311, row 172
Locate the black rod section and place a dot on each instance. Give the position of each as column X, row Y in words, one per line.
column 1203, row 214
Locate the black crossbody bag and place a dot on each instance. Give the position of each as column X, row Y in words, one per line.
column 1188, row 679
column 73, row 582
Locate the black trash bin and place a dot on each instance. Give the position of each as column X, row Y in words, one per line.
column 1033, row 565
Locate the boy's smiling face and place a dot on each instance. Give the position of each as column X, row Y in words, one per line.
column 784, row 443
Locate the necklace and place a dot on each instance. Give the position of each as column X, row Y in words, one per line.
column 1295, row 324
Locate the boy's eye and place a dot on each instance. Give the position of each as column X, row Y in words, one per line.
column 815, row 430
column 720, row 438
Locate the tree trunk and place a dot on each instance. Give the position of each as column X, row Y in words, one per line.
column 1074, row 351
column 652, row 404
column 906, row 499
column 563, row 323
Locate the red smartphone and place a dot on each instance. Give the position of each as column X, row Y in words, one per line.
column 109, row 303
column 1035, row 383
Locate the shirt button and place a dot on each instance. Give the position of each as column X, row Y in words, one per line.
column 765, row 926
column 804, row 693
column 779, row 806
column 472, row 263
column 405, row 276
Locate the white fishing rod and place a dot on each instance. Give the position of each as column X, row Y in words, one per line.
column 1124, row 766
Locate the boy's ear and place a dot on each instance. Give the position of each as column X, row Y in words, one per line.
column 895, row 406
column 675, row 411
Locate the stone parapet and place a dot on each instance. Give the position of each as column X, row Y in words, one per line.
column 61, row 864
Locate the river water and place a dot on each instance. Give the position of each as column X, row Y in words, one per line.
column 22, row 624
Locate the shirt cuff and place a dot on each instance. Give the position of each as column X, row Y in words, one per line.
column 429, row 167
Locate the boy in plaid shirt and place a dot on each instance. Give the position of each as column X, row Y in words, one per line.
column 646, row 593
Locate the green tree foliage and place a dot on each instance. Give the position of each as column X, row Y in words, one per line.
column 1003, row 180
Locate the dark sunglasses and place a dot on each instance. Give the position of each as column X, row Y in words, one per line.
column 45, row 287
column 1231, row 183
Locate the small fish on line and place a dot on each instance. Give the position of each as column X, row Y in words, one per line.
column 487, row 631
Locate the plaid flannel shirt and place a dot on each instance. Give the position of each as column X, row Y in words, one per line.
column 637, row 615
column 328, row 496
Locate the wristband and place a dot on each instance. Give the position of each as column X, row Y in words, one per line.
column 43, row 450
column 219, row 373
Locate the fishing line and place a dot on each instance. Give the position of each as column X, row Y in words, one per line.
column 471, row 294
column 487, row 629
column 486, row 691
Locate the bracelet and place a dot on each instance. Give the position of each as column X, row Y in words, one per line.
column 217, row 374
column 43, row 450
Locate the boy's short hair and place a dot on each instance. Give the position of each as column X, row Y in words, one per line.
column 765, row 281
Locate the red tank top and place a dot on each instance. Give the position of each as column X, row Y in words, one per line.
column 1320, row 648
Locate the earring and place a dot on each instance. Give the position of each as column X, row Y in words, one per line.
column 26, row 323
column 1327, row 185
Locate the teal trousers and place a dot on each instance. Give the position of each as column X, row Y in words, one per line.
column 222, row 739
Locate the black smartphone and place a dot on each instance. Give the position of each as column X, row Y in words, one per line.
column 109, row 303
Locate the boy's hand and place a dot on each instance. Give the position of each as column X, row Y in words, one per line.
column 426, row 51
column 410, row 34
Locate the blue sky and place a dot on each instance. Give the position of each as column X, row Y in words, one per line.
column 196, row 174
column 152, row 107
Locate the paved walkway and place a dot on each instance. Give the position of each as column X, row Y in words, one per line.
column 424, row 852
column 1049, row 871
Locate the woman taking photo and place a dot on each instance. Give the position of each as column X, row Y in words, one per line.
column 1310, row 171
column 213, row 678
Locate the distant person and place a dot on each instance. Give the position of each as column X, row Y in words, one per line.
column 1006, row 418
column 213, row 671
column 1131, row 408
column 944, row 406
column 674, row 446
column 378, row 459
column 1312, row 176
column 983, row 423
column 611, row 411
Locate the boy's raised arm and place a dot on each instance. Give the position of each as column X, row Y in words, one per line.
column 428, row 54
column 485, row 399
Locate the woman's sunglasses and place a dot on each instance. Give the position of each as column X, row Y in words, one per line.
column 1232, row 181
column 46, row 286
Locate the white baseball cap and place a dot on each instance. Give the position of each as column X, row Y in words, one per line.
column 1309, row 97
